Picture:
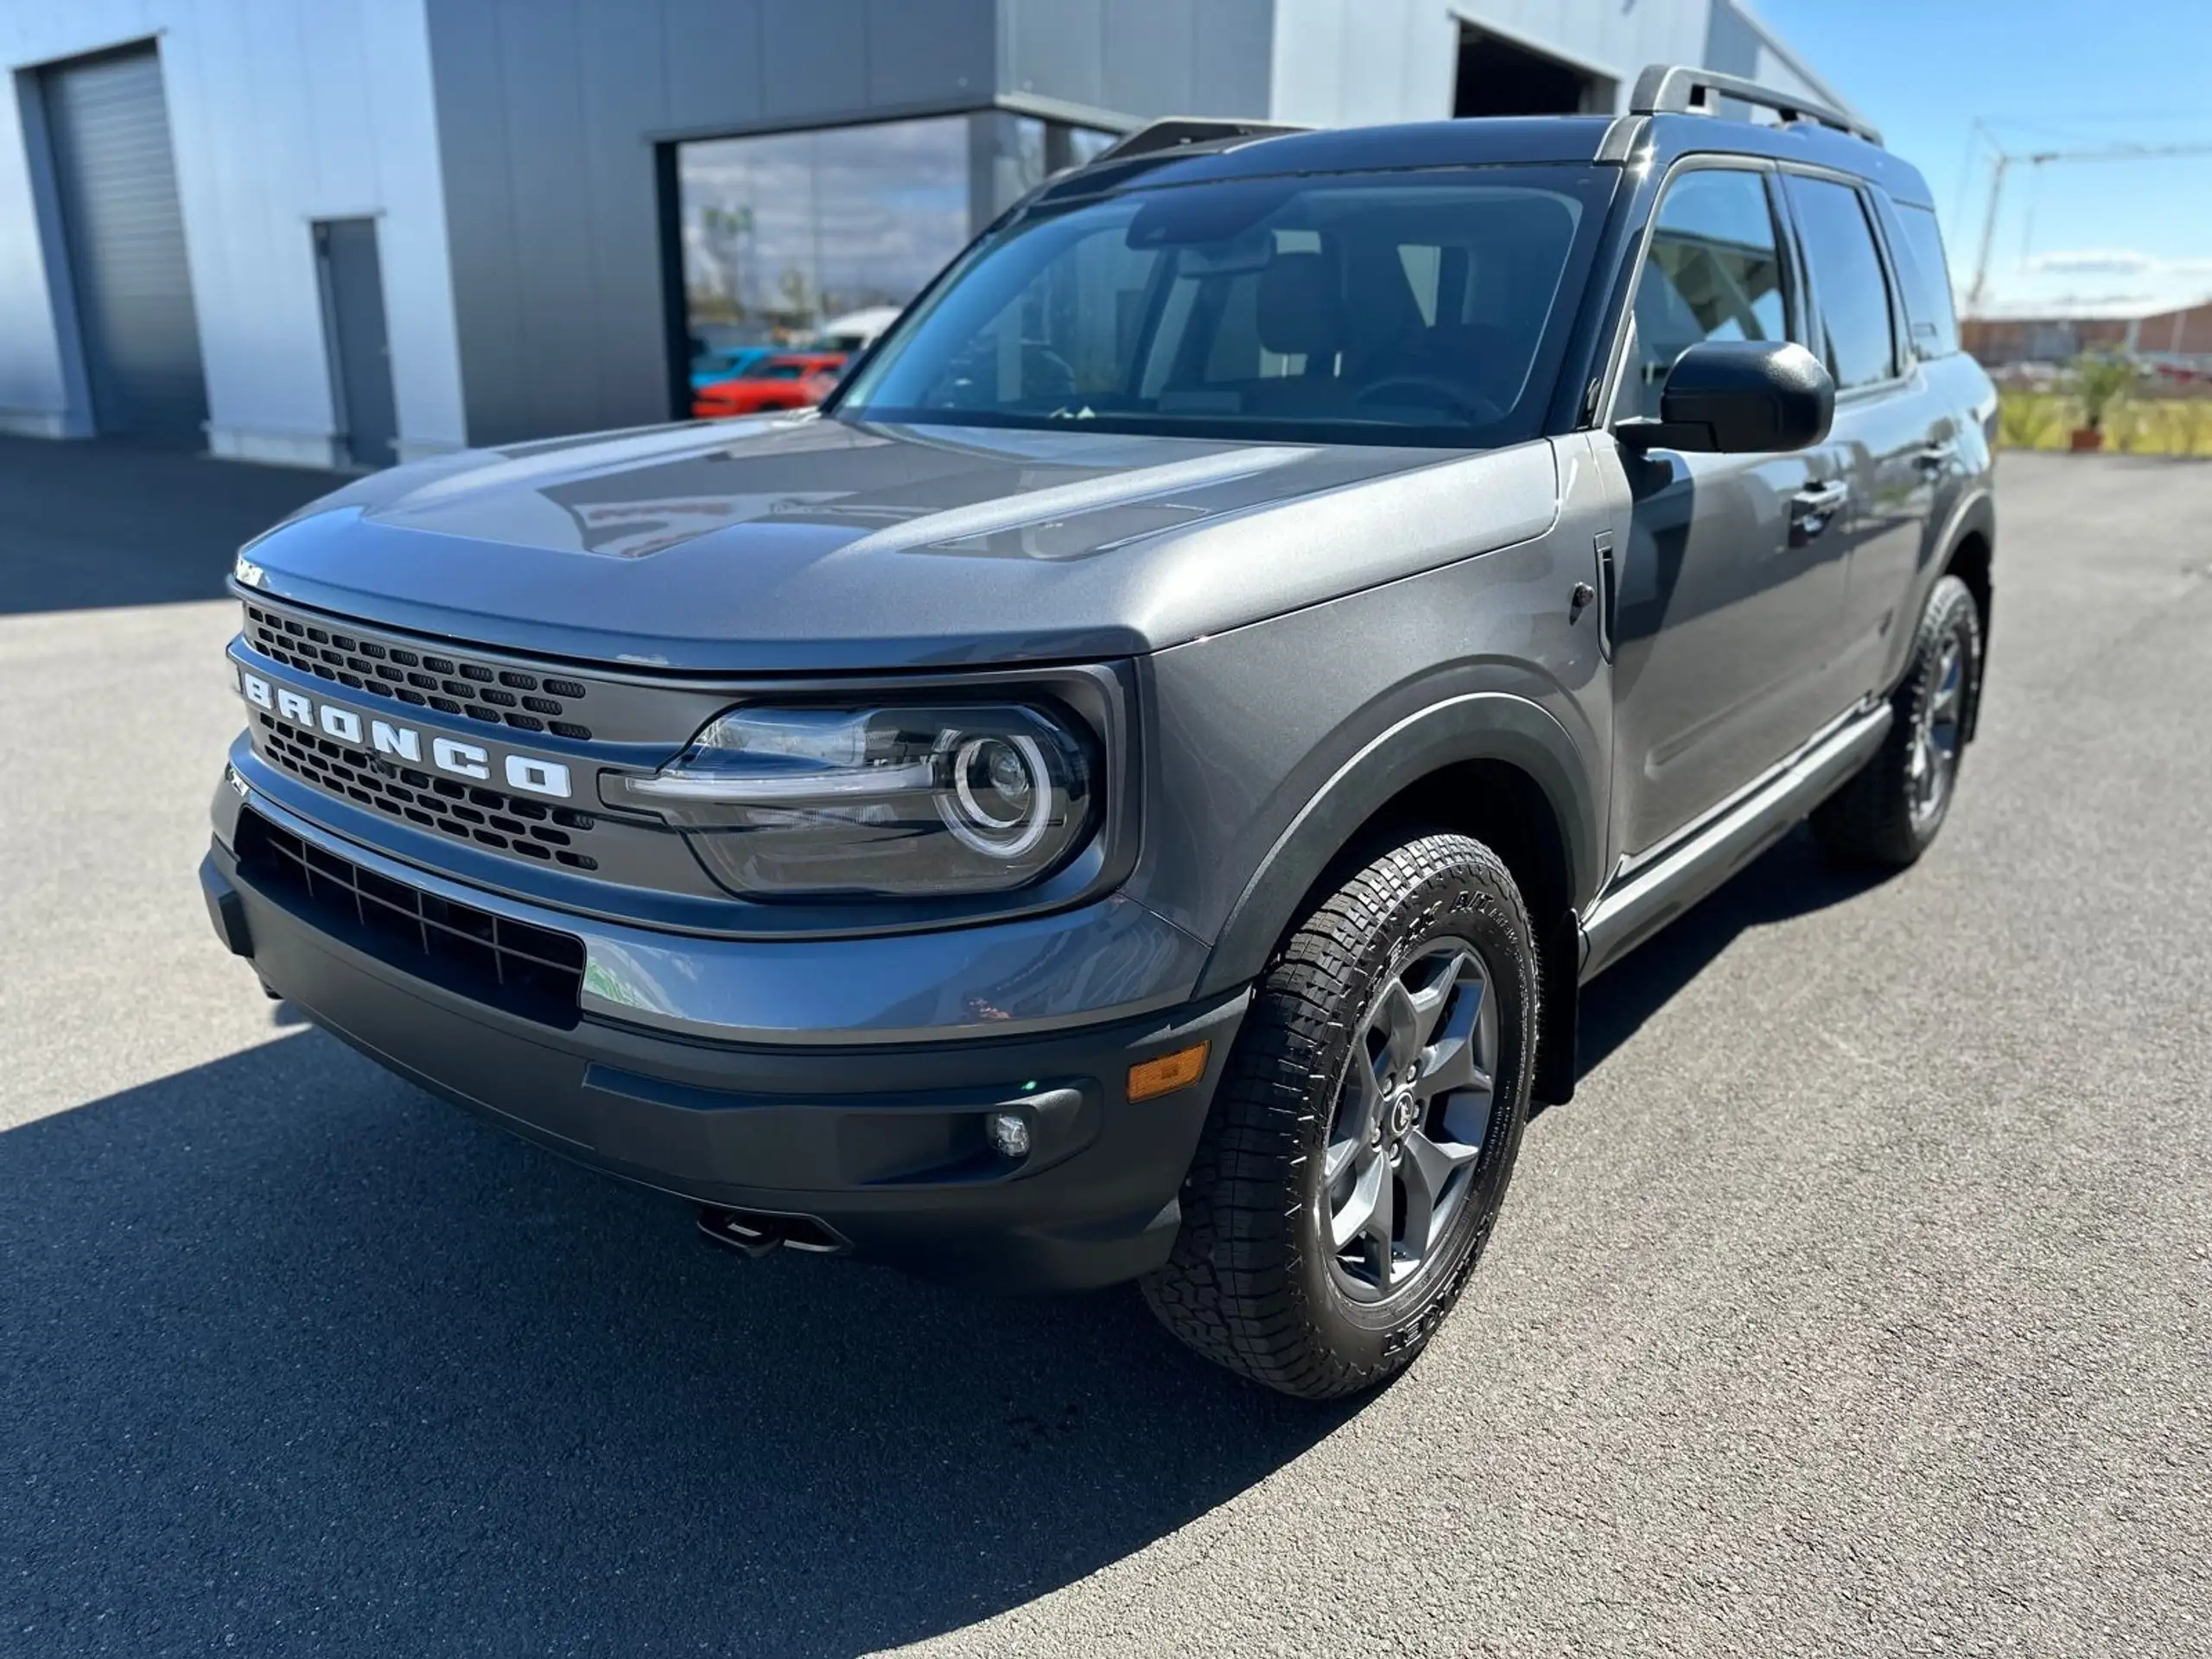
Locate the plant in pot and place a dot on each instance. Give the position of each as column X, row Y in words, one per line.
column 2099, row 379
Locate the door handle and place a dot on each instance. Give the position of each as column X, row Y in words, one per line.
column 1812, row 507
column 1601, row 545
column 1935, row 457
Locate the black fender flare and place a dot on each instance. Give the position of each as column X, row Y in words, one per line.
column 1975, row 515
column 1499, row 726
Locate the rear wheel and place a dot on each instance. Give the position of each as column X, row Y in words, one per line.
column 1364, row 1134
column 1888, row 813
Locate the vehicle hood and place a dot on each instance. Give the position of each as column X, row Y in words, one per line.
column 807, row 544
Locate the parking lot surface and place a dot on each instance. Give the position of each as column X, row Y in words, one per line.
column 1860, row 1301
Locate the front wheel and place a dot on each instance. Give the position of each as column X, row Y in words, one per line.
column 1888, row 813
column 1360, row 1145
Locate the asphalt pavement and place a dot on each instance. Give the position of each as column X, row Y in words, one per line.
column 1861, row 1301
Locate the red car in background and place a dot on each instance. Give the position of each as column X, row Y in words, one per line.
column 787, row 380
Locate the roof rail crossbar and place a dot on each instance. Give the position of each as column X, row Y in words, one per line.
column 1681, row 89
column 1174, row 132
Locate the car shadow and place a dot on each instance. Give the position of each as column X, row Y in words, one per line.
column 1790, row 879
column 299, row 1358
column 102, row 521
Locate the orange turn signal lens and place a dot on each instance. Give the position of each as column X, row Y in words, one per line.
column 1169, row 1072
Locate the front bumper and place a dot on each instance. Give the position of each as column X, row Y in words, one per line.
column 881, row 1144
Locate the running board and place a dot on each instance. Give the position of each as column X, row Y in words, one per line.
column 1648, row 898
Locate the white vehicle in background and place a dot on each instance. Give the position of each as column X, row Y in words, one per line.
column 855, row 329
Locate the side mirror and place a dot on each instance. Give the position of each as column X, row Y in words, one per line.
column 1739, row 396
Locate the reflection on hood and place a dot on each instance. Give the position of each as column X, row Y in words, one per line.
column 805, row 541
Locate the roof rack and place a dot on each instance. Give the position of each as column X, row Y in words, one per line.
column 1174, row 132
column 1681, row 89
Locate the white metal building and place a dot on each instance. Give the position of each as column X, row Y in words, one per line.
column 331, row 233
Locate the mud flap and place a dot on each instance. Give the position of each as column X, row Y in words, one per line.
column 1558, row 1063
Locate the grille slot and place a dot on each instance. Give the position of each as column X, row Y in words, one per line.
column 368, row 666
column 532, row 971
column 467, row 812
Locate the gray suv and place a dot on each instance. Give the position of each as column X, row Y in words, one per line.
column 1130, row 789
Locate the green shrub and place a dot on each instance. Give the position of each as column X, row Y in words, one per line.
column 2099, row 381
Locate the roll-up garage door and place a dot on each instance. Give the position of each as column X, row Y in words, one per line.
column 108, row 126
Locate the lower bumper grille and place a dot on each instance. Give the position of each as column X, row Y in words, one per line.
column 531, row 971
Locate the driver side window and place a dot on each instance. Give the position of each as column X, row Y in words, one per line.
column 1713, row 272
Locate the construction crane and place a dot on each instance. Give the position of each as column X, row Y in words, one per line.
column 2008, row 160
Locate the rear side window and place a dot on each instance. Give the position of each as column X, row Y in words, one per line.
column 1714, row 272
column 1848, row 288
column 1927, row 282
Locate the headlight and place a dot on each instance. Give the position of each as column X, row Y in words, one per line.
column 880, row 802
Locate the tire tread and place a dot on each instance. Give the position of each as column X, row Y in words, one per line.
column 1232, row 1288
column 1867, row 823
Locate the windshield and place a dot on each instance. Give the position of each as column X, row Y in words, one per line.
column 1386, row 307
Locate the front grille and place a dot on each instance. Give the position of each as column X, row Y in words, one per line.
column 509, row 824
column 532, row 971
column 518, row 699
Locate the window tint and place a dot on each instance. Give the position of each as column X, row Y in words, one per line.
column 1847, row 284
column 1927, row 282
column 1714, row 273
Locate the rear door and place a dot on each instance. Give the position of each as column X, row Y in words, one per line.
column 1728, row 606
column 1888, row 443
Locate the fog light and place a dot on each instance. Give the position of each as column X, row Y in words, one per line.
column 1009, row 1132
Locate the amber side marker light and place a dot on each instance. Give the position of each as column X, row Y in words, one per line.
column 1169, row 1072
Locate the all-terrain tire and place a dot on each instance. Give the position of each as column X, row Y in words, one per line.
column 1880, row 819
column 1251, row 1284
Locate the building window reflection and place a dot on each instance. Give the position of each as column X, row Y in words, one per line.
column 817, row 238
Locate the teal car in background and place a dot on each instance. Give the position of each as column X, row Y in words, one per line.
column 726, row 362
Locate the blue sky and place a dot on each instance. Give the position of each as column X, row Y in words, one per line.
column 2045, row 75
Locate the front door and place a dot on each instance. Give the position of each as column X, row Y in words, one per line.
column 1729, row 608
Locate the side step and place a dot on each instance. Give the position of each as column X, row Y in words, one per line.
column 1669, row 883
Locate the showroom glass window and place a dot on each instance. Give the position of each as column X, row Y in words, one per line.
column 786, row 232
column 783, row 234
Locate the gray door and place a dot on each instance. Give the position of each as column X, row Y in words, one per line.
column 108, row 126
column 1890, row 428
column 1731, row 589
column 360, row 353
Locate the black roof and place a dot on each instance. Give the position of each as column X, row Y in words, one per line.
column 1491, row 141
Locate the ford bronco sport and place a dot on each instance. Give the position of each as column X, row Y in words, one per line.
column 1129, row 789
